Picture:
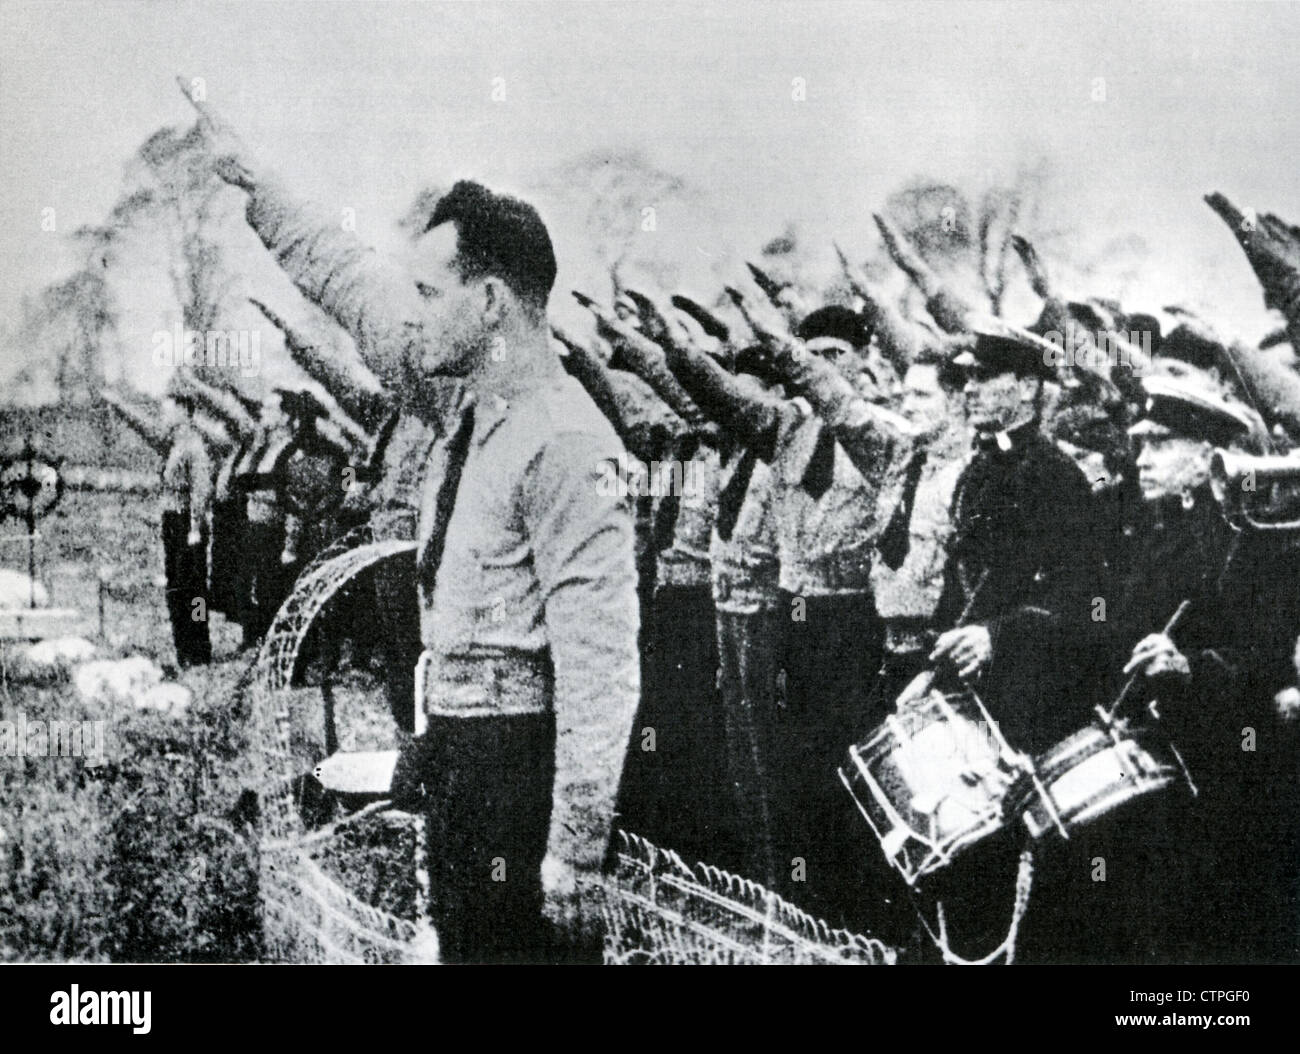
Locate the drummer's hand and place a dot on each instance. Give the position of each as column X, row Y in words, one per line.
column 967, row 648
column 1156, row 655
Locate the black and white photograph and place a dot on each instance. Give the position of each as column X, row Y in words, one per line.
column 663, row 483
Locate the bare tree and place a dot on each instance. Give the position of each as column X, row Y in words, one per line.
column 936, row 218
column 176, row 189
column 620, row 195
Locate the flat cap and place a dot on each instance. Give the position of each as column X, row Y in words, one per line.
column 1002, row 348
column 1179, row 406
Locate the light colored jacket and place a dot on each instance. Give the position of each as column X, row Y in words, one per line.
column 537, row 581
column 538, row 561
column 366, row 293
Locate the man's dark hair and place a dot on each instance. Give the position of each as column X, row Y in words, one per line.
column 499, row 236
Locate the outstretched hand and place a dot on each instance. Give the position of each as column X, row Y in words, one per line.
column 768, row 324
column 1033, row 265
column 859, row 283
column 653, row 322
column 900, row 251
column 231, row 158
column 709, row 322
column 607, row 324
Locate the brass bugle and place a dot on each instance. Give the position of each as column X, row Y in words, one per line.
column 1243, row 485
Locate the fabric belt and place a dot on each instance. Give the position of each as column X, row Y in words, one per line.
column 828, row 575
column 484, row 686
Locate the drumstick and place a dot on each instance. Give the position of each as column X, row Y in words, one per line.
column 974, row 595
column 1109, row 715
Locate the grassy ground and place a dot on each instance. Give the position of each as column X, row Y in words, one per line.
column 149, row 857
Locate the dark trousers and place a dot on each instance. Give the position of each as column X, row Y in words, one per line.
column 747, row 675
column 830, row 660
column 227, row 552
column 1121, row 891
column 265, row 582
column 186, row 567
column 488, row 784
column 395, row 621
column 672, row 776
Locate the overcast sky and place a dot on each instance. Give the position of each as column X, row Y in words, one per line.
column 361, row 104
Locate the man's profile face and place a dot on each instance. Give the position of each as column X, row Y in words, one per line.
column 993, row 399
column 1170, row 466
column 455, row 332
column 925, row 404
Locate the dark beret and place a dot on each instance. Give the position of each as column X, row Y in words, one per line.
column 835, row 323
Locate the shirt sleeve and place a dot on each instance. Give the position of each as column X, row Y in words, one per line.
column 875, row 439
column 583, row 555
column 368, row 295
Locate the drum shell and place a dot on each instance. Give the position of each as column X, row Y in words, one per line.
column 1096, row 773
column 930, row 783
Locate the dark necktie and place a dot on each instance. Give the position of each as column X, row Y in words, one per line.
column 733, row 494
column 664, row 526
column 732, row 498
column 895, row 540
column 457, row 452
column 820, row 474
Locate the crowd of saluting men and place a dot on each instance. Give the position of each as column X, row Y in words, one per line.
column 838, row 506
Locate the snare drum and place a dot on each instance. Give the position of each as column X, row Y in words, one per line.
column 931, row 781
column 1096, row 772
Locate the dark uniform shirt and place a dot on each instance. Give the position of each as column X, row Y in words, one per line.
column 1026, row 562
column 1233, row 847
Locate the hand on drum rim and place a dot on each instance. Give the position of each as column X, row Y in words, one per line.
column 967, row 649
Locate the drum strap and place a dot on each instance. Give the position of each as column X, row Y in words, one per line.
column 1007, row 949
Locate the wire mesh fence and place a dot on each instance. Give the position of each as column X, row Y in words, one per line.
column 355, row 890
